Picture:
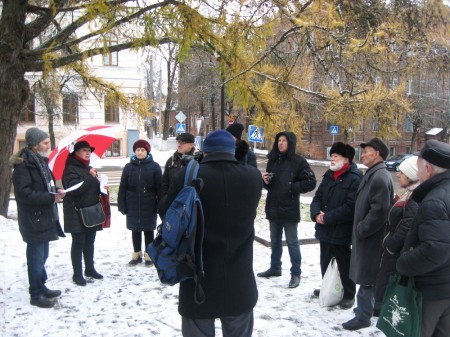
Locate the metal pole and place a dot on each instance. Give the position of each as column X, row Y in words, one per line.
column 222, row 106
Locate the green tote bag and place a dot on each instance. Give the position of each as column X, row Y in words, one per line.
column 401, row 312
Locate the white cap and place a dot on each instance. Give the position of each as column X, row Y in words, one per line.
column 409, row 168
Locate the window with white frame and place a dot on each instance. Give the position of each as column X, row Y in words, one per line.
column 110, row 58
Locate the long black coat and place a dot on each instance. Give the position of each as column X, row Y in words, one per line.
column 37, row 212
column 400, row 218
column 337, row 200
column 139, row 190
column 87, row 194
column 373, row 199
column 229, row 197
column 293, row 176
column 426, row 254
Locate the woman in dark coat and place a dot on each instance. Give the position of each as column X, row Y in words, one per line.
column 400, row 218
column 78, row 170
column 139, row 192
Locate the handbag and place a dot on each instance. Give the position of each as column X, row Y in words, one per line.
column 331, row 291
column 92, row 216
column 401, row 311
column 106, row 206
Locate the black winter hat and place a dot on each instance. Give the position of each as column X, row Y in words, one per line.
column 82, row 145
column 344, row 150
column 236, row 130
column 377, row 145
column 186, row 137
column 436, row 153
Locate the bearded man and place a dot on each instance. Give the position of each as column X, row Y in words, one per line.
column 332, row 209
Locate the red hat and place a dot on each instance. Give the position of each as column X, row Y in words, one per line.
column 142, row 144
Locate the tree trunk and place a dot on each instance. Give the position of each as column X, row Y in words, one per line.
column 14, row 89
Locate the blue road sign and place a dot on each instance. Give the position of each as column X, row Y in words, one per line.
column 334, row 130
column 180, row 128
column 255, row 134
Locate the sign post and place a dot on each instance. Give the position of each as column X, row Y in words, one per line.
column 334, row 130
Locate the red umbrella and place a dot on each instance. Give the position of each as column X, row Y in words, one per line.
column 100, row 137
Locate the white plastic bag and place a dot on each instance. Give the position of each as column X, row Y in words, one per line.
column 331, row 292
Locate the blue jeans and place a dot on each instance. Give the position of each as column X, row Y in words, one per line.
column 364, row 303
column 290, row 231
column 37, row 254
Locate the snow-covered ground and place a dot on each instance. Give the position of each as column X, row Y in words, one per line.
column 130, row 301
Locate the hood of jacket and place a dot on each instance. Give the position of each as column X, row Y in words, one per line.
column 292, row 141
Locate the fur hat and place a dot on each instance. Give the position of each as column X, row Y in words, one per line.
column 409, row 168
column 377, row 145
column 344, row 150
column 236, row 130
column 436, row 153
column 219, row 141
column 82, row 145
column 186, row 137
column 141, row 143
column 34, row 136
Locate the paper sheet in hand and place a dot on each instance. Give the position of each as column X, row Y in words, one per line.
column 74, row 187
column 103, row 183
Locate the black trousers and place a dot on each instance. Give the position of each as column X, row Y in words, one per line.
column 82, row 247
column 136, row 236
column 342, row 254
column 233, row 326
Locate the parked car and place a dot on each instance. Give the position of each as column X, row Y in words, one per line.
column 393, row 162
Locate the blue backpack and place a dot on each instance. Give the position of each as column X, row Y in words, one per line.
column 177, row 249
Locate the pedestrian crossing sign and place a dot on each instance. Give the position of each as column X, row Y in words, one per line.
column 255, row 134
column 180, row 128
column 334, row 129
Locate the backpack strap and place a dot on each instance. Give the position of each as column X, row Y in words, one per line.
column 191, row 172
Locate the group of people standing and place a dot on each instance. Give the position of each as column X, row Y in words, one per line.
column 359, row 221
column 374, row 233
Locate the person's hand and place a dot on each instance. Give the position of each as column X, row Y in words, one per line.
column 265, row 177
column 58, row 198
column 320, row 218
column 93, row 172
column 61, row 192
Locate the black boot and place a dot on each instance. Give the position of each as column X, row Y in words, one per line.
column 79, row 280
column 42, row 302
column 52, row 293
column 295, row 281
column 270, row 273
column 93, row 273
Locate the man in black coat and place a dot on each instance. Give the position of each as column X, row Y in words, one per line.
column 373, row 200
column 185, row 146
column 426, row 252
column 229, row 197
column 287, row 175
column 332, row 209
column 36, row 198
column 243, row 153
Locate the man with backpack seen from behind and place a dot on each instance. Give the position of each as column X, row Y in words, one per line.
column 229, row 196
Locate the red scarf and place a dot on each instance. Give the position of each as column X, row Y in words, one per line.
column 337, row 174
column 84, row 161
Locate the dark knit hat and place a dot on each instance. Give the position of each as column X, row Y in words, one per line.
column 344, row 150
column 82, row 145
column 236, row 130
column 219, row 141
column 186, row 137
column 141, row 143
column 377, row 145
column 436, row 153
column 34, row 136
